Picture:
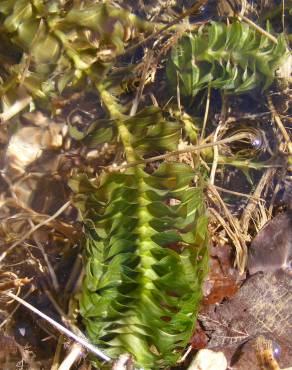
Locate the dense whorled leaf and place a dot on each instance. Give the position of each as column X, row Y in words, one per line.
column 150, row 131
column 233, row 57
column 65, row 43
column 146, row 243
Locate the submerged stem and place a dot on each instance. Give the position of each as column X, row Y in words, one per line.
column 114, row 111
column 189, row 149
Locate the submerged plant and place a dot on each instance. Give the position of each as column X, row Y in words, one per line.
column 146, row 235
column 46, row 47
column 146, row 253
column 146, row 250
column 145, row 232
column 233, row 57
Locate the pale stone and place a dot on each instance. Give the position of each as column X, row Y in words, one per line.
column 209, row 360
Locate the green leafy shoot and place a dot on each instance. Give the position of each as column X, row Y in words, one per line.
column 234, row 57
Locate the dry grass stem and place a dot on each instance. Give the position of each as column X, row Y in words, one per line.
column 185, row 355
column 252, row 204
column 75, row 352
column 262, row 216
column 147, row 66
column 9, row 317
column 36, row 227
column 283, row 15
column 192, row 10
column 57, row 355
column 61, row 328
column 206, row 113
column 239, row 194
column 16, row 283
column 215, row 156
column 241, row 254
column 189, row 149
column 75, row 274
column 17, row 107
column 233, row 229
column 257, row 28
column 52, row 273
column 279, row 123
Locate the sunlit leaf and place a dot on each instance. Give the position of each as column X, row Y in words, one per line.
column 141, row 291
column 46, row 50
column 224, row 57
column 66, row 43
column 27, row 32
column 103, row 135
column 22, row 11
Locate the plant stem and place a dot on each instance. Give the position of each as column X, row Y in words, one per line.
column 189, row 149
column 114, row 111
column 206, row 113
column 14, row 109
column 279, row 123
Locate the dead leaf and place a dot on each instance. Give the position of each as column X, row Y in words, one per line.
column 223, row 280
column 271, row 250
column 262, row 306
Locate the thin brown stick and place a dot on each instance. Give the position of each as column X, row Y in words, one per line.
column 189, row 149
column 252, row 204
column 279, row 123
column 149, row 58
column 257, row 28
column 238, row 194
column 206, row 113
column 32, row 230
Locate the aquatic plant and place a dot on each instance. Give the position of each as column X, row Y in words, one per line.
column 46, row 47
column 146, row 257
column 146, row 248
column 232, row 57
column 145, row 229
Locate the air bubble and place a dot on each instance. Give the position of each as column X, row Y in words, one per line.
column 257, row 142
column 276, row 350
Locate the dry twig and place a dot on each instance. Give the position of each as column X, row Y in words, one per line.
column 36, row 227
column 252, row 204
column 61, row 328
column 233, row 230
column 189, row 149
column 279, row 123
